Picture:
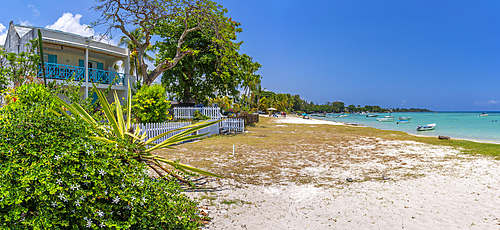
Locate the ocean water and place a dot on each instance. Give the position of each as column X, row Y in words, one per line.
column 457, row 125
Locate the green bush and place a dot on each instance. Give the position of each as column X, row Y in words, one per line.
column 31, row 94
column 199, row 117
column 53, row 177
column 150, row 105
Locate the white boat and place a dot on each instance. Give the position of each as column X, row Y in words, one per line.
column 483, row 115
column 403, row 121
column 426, row 127
column 404, row 118
column 343, row 115
column 389, row 117
column 372, row 115
column 385, row 119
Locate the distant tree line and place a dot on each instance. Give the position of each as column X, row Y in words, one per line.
column 293, row 103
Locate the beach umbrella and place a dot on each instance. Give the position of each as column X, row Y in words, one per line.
column 271, row 109
column 304, row 114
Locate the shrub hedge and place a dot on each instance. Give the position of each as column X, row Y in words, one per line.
column 53, row 177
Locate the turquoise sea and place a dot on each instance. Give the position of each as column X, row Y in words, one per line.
column 457, row 125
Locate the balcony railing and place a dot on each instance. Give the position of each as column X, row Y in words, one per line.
column 64, row 72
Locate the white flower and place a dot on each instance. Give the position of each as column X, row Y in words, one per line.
column 116, row 200
column 53, row 204
column 105, row 192
column 57, row 157
column 59, row 181
column 61, row 196
column 144, row 199
column 102, row 225
column 76, row 186
column 102, row 172
column 82, row 198
column 85, row 175
column 133, row 198
column 89, row 223
column 100, row 213
column 77, row 203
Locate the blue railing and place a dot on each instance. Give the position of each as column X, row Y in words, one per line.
column 63, row 72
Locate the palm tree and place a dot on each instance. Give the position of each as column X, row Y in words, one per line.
column 125, row 41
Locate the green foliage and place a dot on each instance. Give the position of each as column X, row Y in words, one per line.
column 150, row 105
column 117, row 130
column 53, row 177
column 19, row 68
column 29, row 95
column 199, row 117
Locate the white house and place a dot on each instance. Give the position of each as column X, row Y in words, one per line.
column 65, row 55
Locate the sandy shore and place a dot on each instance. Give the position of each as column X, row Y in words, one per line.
column 430, row 187
column 291, row 119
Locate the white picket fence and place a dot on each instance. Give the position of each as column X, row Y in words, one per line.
column 188, row 112
column 233, row 124
column 155, row 129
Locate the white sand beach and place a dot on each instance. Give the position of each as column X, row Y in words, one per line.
column 291, row 119
column 430, row 187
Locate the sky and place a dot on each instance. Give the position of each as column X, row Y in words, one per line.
column 438, row 55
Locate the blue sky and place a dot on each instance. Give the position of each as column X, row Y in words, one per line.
column 440, row 55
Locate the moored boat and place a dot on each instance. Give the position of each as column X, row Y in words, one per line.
column 342, row 115
column 426, row 127
column 404, row 118
column 372, row 115
column 403, row 121
column 385, row 119
column 483, row 115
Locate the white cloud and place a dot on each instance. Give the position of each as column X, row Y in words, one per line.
column 24, row 23
column 71, row 24
column 3, row 34
column 403, row 102
column 36, row 13
column 490, row 102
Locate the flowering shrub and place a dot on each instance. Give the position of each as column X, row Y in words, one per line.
column 149, row 104
column 53, row 177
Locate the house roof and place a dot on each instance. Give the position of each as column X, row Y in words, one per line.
column 71, row 39
column 22, row 30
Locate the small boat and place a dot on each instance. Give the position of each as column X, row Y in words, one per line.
column 404, row 118
column 483, row 115
column 389, row 117
column 342, row 115
column 426, row 127
column 403, row 121
column 372, row 115
column 385, row 119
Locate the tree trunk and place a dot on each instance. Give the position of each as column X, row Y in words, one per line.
column 187, row 88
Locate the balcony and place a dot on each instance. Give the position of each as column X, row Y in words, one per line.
column 64, row 72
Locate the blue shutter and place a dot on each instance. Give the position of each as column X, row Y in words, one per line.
column 52, row 59
column 94, row 97
column 81, row 63
column 100, row 66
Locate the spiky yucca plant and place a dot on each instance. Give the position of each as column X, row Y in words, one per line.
column 118, row 131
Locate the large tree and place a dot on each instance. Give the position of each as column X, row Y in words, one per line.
column 149, row 14
column 212, row 70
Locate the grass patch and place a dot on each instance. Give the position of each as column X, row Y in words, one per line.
column 263, row 156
